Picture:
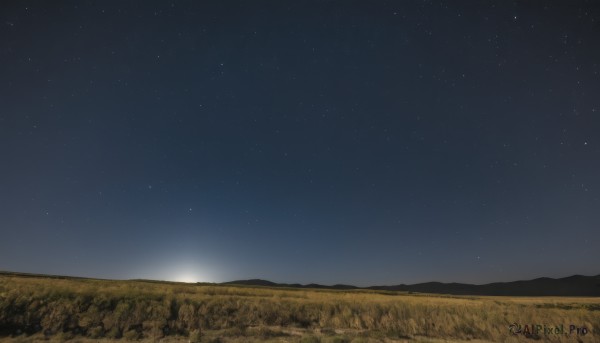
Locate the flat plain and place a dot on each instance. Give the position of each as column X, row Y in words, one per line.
column 37, row 308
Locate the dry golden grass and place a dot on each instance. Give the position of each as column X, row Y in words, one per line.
column 35, row 308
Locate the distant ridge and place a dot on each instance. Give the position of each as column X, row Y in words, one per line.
column 576, row 285
column 266, row 283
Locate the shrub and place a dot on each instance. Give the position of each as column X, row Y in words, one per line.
column 131, row 335
column 62, row 336
column 96, row 332
column 113, row 333
column 336, row 339
column 310, row 339
column 195, row 336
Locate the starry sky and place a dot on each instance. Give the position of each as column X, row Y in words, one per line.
column 358, row 142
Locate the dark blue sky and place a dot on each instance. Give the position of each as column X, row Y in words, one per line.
column 370, row 142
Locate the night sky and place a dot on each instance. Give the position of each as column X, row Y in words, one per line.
column 366, row 143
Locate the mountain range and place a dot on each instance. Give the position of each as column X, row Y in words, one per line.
column 576, row 285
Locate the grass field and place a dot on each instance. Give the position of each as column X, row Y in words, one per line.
column 88, row 310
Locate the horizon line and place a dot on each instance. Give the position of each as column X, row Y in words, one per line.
column 277, row 283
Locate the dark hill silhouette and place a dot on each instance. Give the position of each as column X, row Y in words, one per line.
column 254, row 282
column 266, row 283
column 576, row 285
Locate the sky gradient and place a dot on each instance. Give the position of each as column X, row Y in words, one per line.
column 365, row 143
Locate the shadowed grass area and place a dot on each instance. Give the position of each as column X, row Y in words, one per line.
column 61, row 309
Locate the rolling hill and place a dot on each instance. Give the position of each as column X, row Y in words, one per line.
column 576, row 285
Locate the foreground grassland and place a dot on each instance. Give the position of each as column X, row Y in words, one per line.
column 83, row 310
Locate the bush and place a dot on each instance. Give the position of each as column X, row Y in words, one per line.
column 336, row 339
column 272, row 333
column 113, row 333
column 96, row 332
column 131, row 335
column 195, row 336
column 310, row 339
column 62, row 336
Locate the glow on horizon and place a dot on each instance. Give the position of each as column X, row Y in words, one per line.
column 188, row 269
column 188, row 277
column 189, row 272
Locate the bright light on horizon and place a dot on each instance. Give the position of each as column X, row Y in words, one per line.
column 189, row 271
column 188, row 277
column 178, row 269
